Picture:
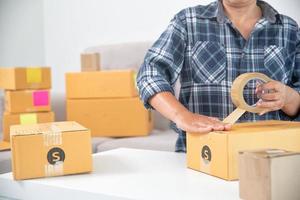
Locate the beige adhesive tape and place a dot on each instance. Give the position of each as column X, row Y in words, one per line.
column 237, row 96
column 53, row 137
column 54, row 170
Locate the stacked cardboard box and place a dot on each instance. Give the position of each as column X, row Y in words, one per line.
column 50, row 149
column 217, row 153
column 107, row 102
column 27, row 98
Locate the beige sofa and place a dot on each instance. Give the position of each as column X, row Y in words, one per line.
column 119, row 56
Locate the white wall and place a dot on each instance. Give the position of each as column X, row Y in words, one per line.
column 73, row 25
column 21, row 33
column 54, row 32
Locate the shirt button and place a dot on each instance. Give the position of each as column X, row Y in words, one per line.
column 246, row 116
column 243, row 55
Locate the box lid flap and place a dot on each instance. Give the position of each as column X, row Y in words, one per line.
column 269, row 153
column 261, row 126
column 45, row 128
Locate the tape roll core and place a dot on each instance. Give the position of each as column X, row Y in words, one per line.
column 237, row 91
column 237, row 96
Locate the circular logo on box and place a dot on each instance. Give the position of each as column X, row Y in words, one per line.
column 206, row 154
column 55, row 155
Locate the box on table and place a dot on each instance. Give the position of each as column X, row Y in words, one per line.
column 24, row 119
column 20, row 78
column 50, row 149
column 118, row 117
column 90, row 62
column 21, row 101
column 269, row 175
column 104, row 84
column 216, row 153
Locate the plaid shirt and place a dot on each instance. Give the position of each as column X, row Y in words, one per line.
column 204, row 49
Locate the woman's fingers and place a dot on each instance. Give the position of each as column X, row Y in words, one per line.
column 201, row 124
column 214, row 123
column 214, row 119
column 271, row 105
column 197, row 128
column 271, row 96
column 270, row 86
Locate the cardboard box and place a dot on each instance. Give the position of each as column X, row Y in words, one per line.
column 90, row 62
column 50, row 149
column 269, row 175
column 104, row 84
column 216, row 153
column 111, row 117
column 21, row 101
column 21, row 78
column 4, row 146
column 23, row 119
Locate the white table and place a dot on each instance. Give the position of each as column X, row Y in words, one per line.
column 126, row 174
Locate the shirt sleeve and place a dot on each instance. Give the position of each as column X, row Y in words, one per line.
column 163, row 62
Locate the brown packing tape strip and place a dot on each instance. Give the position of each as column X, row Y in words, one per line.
column 4, row 146
column 237, row 96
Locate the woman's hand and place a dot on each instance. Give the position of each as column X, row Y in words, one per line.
column 196, row 123
column 274, row 96
column 172, row 109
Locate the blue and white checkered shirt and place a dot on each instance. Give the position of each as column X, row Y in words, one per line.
column 204, row 49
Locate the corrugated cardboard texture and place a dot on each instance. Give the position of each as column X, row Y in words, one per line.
column 269, row 175
column 51, row 149
column 90, row 62
column 105, row 84
column 21, row 78
column 244, row 136
column 111, row 117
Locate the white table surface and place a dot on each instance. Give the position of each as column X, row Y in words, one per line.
column 126, row 174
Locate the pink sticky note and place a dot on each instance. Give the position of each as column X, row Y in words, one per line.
column 40, row 98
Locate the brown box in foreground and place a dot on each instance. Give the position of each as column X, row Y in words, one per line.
column 21, row 101
column 50, row 149
column 111, row 117
column 24, row 119
column 21, row 78
column 104, row 84
column 216, row 153
column 90, row 62
column 269, row 175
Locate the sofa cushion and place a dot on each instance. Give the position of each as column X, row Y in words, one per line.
column 96, row 141
column 5, row 162
column 158, row 140
column 121, row 56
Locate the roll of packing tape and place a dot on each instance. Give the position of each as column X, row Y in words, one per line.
column 237, row 96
